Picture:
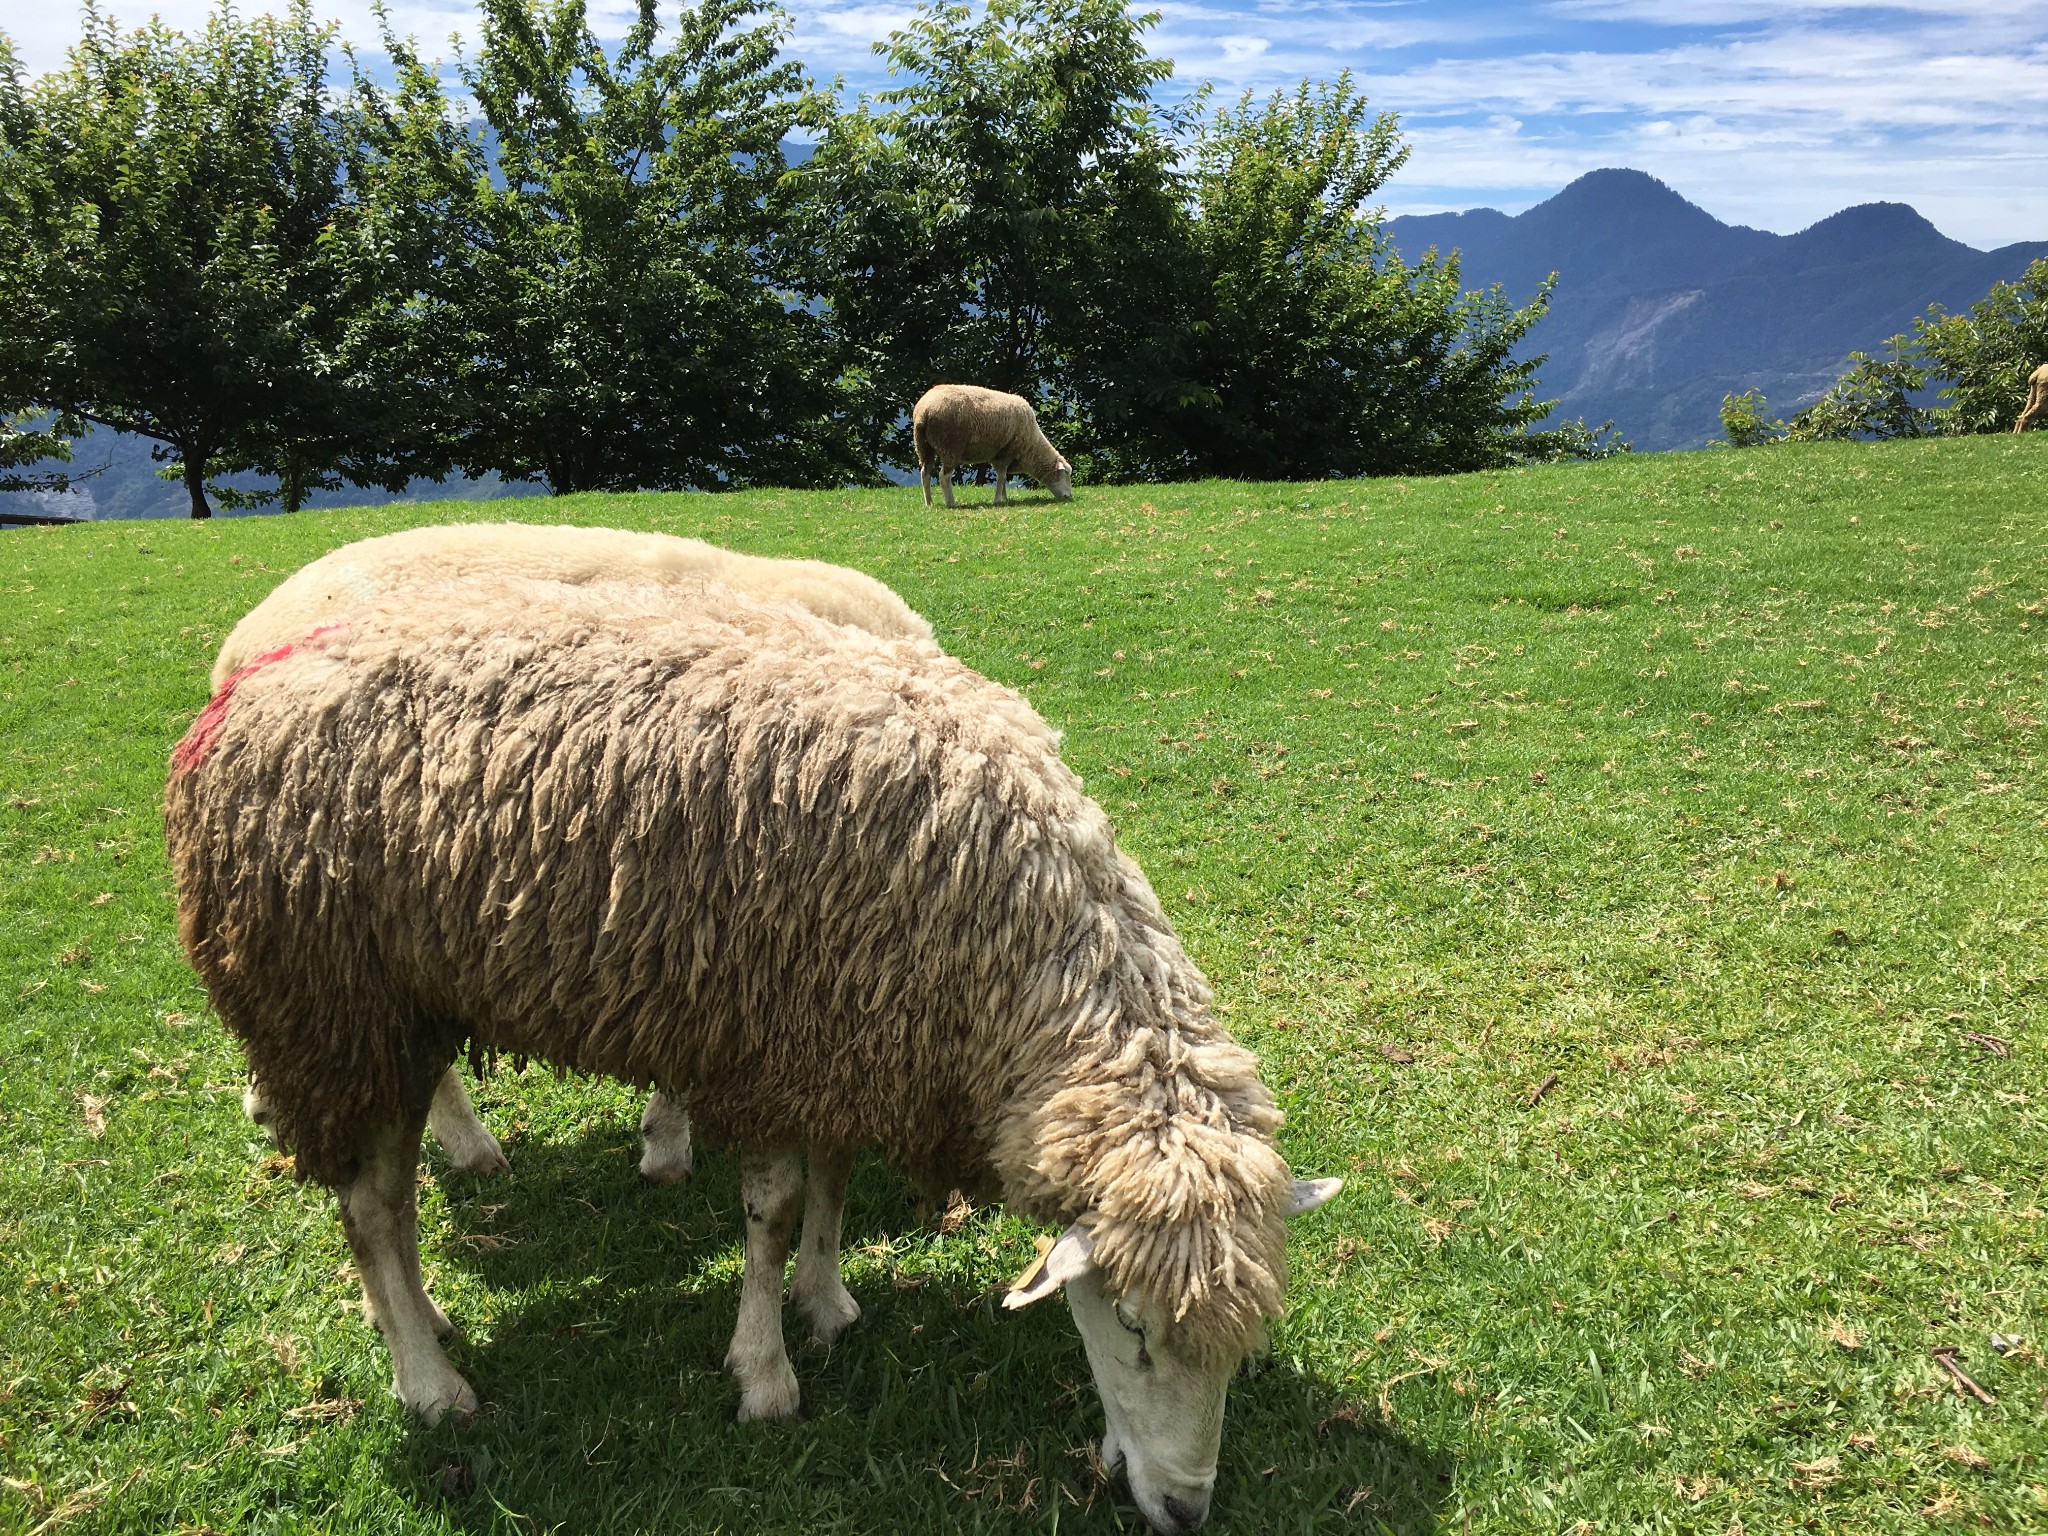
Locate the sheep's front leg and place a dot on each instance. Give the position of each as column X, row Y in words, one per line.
column 770, row 1183
column 452, row 1118
column 816, row 1288
column 382, row 1224
column 665, row 1156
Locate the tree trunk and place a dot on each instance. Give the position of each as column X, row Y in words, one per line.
column 195, row 484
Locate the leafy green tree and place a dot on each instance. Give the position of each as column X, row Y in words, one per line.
column 168, row 198
column 1983, row 358
column 1871, row 400
column 585, row 284
column 1182, row 294
column 1009, row 216
column 1743, row 423
column 25, row 336
column 1318, row 350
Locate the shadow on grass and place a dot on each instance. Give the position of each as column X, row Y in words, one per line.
column 608, row 1307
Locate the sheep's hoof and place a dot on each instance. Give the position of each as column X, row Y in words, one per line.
column 831, row 1313
column 666, row 1165
column 438, row 1394
column 666, row 1156
column 474, row 1150
column 775, row 1398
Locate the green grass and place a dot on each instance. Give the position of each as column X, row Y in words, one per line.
column 1712, row 784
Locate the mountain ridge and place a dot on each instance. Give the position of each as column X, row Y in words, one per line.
column 1661, row 308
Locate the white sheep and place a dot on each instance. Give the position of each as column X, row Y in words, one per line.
column 838, row 890
column 460, row 553
column 955, row 424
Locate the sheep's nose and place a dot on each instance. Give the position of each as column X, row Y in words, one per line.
column 1189, row 1516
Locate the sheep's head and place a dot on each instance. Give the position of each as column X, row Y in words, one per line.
column 1162, row 1393
column 1062, row 482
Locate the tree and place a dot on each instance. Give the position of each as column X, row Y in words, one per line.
column 169, row 198
column 1319, row 351
column 586, row 284
column 1743, row 423
column 1872, row 400
column 1180, row 295
column 1983, row 358
column 1009, row 216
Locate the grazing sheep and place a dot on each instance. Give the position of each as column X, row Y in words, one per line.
column 2037, row 399
column 838, row 890
column 464, row 552
column 955, row 424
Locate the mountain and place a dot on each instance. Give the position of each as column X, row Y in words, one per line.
column 1661, row 309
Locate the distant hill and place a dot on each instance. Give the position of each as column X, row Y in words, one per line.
column 1661, row 309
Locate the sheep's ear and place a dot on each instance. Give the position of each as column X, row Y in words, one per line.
column 1068, row 1259
column 1310, row 1193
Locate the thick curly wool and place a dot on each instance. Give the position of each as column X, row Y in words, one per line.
column 838, row 889
column 460, row 552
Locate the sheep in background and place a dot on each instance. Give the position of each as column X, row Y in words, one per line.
column 2037, row 399
column 955, row 424
column 838, row 890
column 464, row 552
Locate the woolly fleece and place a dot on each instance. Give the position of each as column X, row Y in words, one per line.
column 955, row 424
column 460, row 552
column 838, row 890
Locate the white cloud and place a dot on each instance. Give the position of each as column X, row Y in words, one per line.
column 1773, row 112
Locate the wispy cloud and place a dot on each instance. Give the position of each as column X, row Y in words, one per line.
column 1770, row 112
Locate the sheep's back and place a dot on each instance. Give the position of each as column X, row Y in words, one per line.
column 478, row 554
column 971, row 425
column 816, row 880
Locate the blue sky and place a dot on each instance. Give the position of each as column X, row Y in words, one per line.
column 1774, row 113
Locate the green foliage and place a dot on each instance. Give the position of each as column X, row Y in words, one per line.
column 25, row 440
column 1315, row 349
column 589, row 276
column 1981, row 361
column 1188, row 295
column 170, row 198
column 1743, row 423
column 1005, row 217
column 599, row 272
column 1983, row 358
column 1872, row 400
column 1710, row 783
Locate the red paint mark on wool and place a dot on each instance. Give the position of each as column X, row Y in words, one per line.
column 199, row 740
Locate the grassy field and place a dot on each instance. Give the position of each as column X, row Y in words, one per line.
column 1706, row 790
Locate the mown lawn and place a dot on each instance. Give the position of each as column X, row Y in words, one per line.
column 1706, row 789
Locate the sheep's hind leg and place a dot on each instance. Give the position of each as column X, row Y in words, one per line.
column 1002, row 484
column 816, row 1288
column 946, row 481
column 665, row 1156
column 452, row 1118
column 382, row 1224
column 770, row 1184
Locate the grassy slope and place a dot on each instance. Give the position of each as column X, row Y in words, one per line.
column 1712, row 784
